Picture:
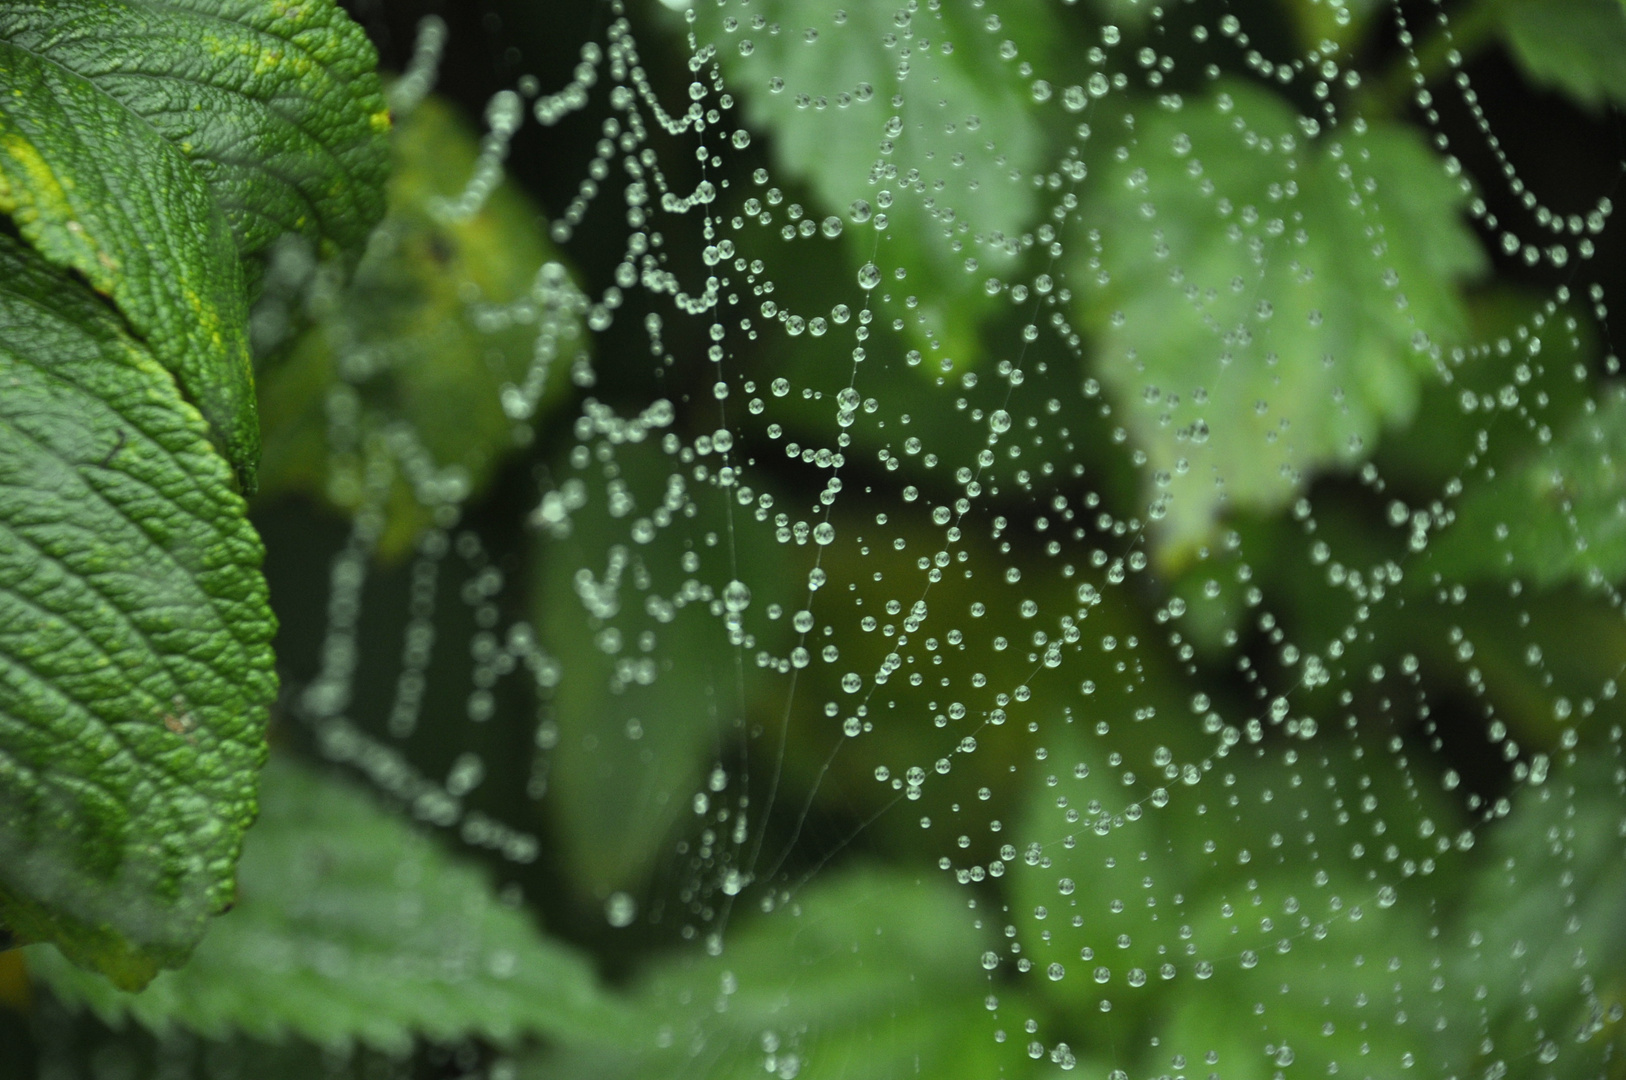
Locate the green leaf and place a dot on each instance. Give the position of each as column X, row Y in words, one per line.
column 442, row 317
column 135, row 660
column 868, row 975
column 1577, row 46
column 1558, row 516
column 354, row 928
column 943, row 144
column 1540, row 936
column 1321, row 975
column 277, row 106
column 1268, row 314
column 127, row 211
column 156, row 207
column 659, row 671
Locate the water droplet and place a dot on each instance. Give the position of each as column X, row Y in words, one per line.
column 869, row 276
column 859, row 211
column 736, row 596
column 831, row 227
column 620, row 910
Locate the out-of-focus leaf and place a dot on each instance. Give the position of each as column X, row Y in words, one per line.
column 1577, row 46
column 868, row 975
column 352, row 928
column 454, row 333
column 1559, row 516
column 1540, row 976
column 1099, row 871
column 135, row 640
column 1274, row 299
column 642, row 601
column 72, row 1044
column 1129, row 844
column 1345, row 23
column 940, row 142
column 1315, row 976
column 14, row 989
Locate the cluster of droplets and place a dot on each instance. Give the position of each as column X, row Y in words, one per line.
column 861, row 627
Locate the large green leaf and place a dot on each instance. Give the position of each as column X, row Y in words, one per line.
column 1274, row 299
column 277, row 106
column 127, row 211
column 1577, row 46
column 149, row 146
column 135, row 660
column 354, row 928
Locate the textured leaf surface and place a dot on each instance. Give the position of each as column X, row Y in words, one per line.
column 135, row 660
column 353, row 928
column 154, row 147
column 96, row 189
column 1577, row 46
column 277, row 106
column 440, row 316
column 1257, row 329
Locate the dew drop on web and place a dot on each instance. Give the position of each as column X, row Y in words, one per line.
column 1133, row 591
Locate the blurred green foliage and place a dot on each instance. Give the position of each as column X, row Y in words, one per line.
column 402, row 366
column 1133, row 856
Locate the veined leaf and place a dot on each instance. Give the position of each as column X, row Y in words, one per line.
column 1294, row 289
column 150, row 147
column 125, row 209
column 135, row 659
column 354, row 928
column 277, row 106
